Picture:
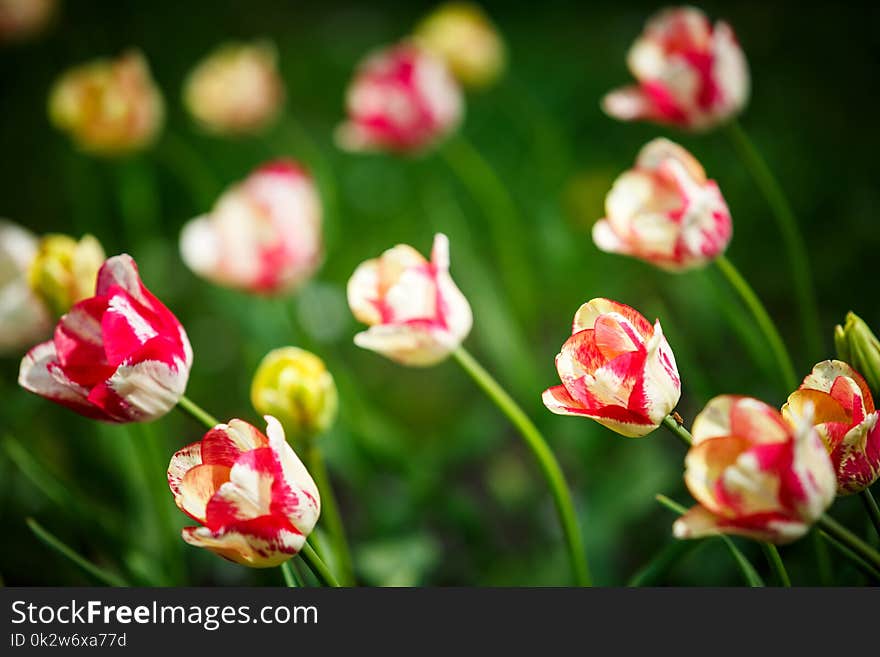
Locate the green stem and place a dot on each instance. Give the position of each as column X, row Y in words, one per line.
column 871, row 508
column 765, row 323
column 794, row 241
column 860, row 563
column 850, row 540
column 192, row 409
column 655, row 570
column 291, row 579
column 680, row 432
column 776, row 564
column 103, row 576
column 318, row 567
column 547, row 461
column 330, row 514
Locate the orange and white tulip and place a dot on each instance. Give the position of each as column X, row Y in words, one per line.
column 665, row 211
column 236, row 89
column 402, row 99
column 690, row 73
column 845, row 417
column 616, row 369
column 262, row 236
column 417, row 315
column 754, row 474
column 253, row 497
column 108, row 106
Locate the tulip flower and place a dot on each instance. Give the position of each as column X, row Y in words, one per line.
column 22, row 19
column 64, row 270
column 690, row 74
column 857, row 344
column 254, row 498
column 665, row 211
column 845, row 417
column 616, row 369
column 402, row 99
column 294, row 386
column 24, row 318
column 119, row 356
column 236, row 89
column 462, row 34
column 754, row 474
column 417, row 315
column 108, row 107
column 263, row 234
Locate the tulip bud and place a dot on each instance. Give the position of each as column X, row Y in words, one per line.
column 22, row 19
column 64, row 271
column 690, row 73
column 402, row 99
column 417, row 315
column 236, row 89
column 294, row 386
column 24, row 318
column 665, row 211
column 462, row 34
column 842, row 410
column 263, row 234
column 857, row 345
column 253, row 497
column 108, row 106
column 616, row 369
column 754, row 474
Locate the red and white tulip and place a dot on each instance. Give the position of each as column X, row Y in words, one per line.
column 664, row 211
column 24, row 318
column 254, row 498
column 616, row 369
column 402, row 99
column 845, row 417
column 690, row 73
column 119, row 356
column 417, row 315
column 263, row 235
column 754, row 474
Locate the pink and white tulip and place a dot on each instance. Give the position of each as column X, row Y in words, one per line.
column 402, row 99
column 254, row 498
column 263, row 235
column 845, row 417
column 690, row 74
column 119, row 356
column 664, row 211
column 616, row 369
column 754, row 474
column 24, row 318
column 417, row 315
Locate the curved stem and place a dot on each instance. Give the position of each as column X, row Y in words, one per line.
column 794, row 241
column 330, row 514
column 775, row 561
column 763, row 319
column 662, row 563
column 547, row 461
column 103, row 576
column 318, row 567
column 291, row 579
column 859, row 563
column 871, row 508
column 849, row 540
column 196, row 412
column 680, row 432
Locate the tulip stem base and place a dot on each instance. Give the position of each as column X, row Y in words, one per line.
column 794, row 241
column 844, row 536
column 680, row 432
column 546, row 460
column 762, row 317
column 871, row 508
column 318, row 567
column 196, row 412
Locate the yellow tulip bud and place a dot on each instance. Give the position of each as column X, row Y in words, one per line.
column 462, row 35
column 64, row 270
column 294, row 386
column 857, row 345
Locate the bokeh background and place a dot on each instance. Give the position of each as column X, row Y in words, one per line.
column 436, row 487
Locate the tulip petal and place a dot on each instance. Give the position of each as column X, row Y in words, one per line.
column 588, row 313
column 223, row 444
column 558, row 401
column 182, row 461
column 197, row 487
column 258, row 543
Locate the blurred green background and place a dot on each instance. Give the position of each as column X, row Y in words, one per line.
column 435, row 485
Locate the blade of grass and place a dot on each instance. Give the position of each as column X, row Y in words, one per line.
column 101, row 575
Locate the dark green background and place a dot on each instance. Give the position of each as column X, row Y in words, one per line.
column 435, row 485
